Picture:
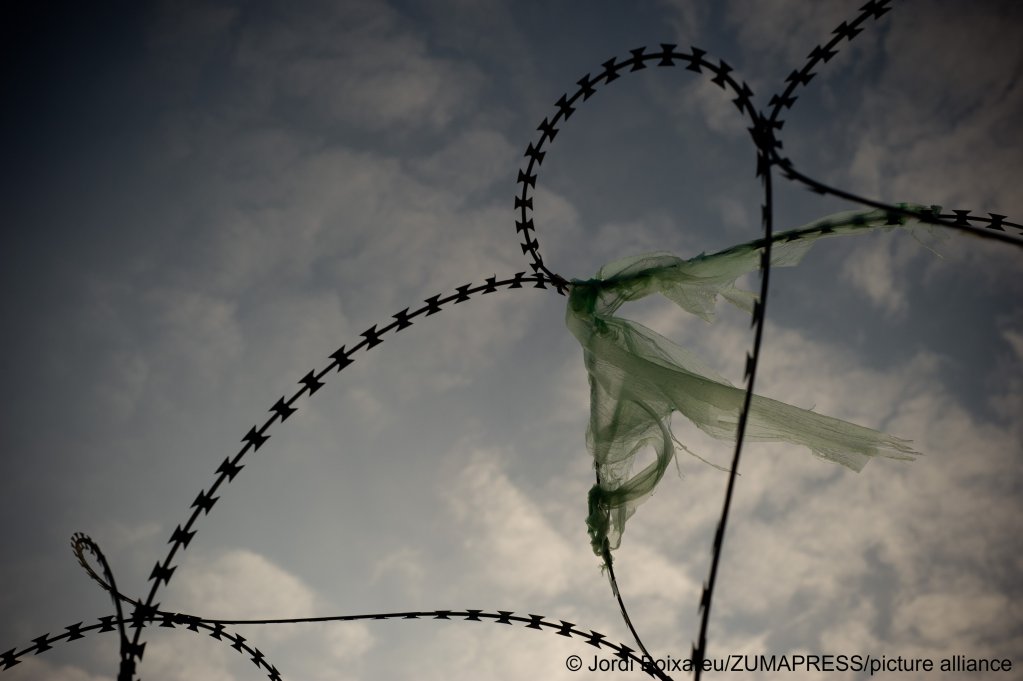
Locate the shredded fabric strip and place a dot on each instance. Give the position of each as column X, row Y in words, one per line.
column 638, row 377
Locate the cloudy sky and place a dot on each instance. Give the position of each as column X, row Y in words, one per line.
column 202, row 201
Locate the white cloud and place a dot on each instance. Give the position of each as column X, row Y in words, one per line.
column 967, row 613
column 294, row 238
column 866, row 167
column 183, row 660
column 713, row 105
column 557, row 229
column 1015, row 341
column 760, row 24
column 195, row 329
column 1007, row 394
column 873, row 270
column 238, row 584
column 241, row 584
column 360, row 64
column 654, row 584
column 508, row 535
column 808, row 539
column 348, row 640
column 404, row 567
column 686, row 20
column 944, row 134
column 735, row 215
column 475, row 159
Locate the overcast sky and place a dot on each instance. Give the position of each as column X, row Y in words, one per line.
column 202, row 201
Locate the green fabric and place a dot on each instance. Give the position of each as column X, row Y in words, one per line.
column 638, row 378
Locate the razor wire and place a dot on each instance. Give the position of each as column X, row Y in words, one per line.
column 763, row 131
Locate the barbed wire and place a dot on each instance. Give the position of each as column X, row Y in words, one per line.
column 763, row 130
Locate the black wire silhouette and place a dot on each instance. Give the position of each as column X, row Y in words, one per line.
column 763, row 131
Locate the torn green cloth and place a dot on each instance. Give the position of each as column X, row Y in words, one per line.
column 638, row 378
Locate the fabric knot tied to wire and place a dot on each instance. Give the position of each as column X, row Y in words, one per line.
column 638, row 377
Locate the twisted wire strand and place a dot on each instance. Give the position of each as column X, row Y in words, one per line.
column 143, row 615
column 147, row 611
column 764, row 139
column 310, row 383
column 995, row 226
column 763, row 132
column 80, row 543
column 768, row 147
column 217, row 629
column 696, row 61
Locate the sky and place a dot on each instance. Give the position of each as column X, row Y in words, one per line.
column 203, row 201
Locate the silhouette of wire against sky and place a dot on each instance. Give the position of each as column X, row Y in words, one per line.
column 638, row 378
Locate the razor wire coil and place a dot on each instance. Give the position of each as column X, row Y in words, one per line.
column 763, row 130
